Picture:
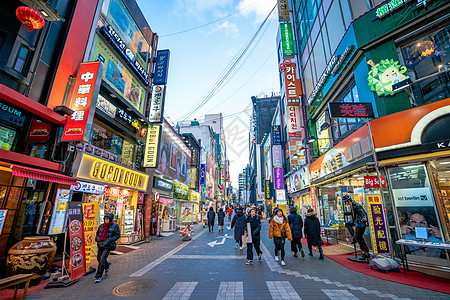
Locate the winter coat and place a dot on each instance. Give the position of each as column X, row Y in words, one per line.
column 312, row 229
column 238, row 223
column 113, row 235
column 220, row 218
column 211, row 217
column 255, row 226
column 275, row 230
column 296, row 224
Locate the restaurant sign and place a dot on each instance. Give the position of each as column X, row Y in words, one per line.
column 292, row 84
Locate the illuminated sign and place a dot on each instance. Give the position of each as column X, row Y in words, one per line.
column 151, row 147
column 268, row 189
column 393, row 5
column 105, row 172
column 162, row 67
column 277, row 153
column 278, row 178
column 293, row 122
column 276, row 135
column 157, row 104
column 350, row 110
column 287, row 42
column 180, row 191
column 162, row 184
column 193, row 178
column 292, row 84
column 39, row 131
column 78, row 125
column 283, row 11
column 107, row 107
column 383, row 75
column 194, row 196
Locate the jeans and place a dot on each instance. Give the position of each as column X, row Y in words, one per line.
column 318, row 247
column 296, row 245
column 103, row 264
column 211, row 227
column 256, row 243
column 360, row 228
column 279, row 247
column 239, row 242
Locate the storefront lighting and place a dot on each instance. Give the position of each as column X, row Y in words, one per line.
column 445, row 163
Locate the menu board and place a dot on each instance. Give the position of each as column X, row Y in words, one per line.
column 59, row 212
column 3, row 213
column 77, row 242
column 128, row 221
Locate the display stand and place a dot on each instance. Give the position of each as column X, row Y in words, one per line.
column 186, row 230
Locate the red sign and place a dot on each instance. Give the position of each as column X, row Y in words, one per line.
column 350, row 110
column 39, row 131
column 294, row 126
column 313, row 198
column 164, row 200
column 77, row 241
column 140, row 199
column 372, row 182
column 293, row 85
column 85, row 89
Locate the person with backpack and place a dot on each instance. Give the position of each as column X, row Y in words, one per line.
column 107, row 235
column 238, row 223
column 279, row 230
column 253, row 232
column 296, row 224
column 221, row 219
column 312, row 232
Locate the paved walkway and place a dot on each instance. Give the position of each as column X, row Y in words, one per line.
column 208, row 267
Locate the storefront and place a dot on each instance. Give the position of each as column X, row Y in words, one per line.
column 194, row 198
column 163, row 192
column 298, row 189
column 180, row 196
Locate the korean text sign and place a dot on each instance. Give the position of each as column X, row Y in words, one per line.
column 292, row 84
column 287, row 41
column 294, row 122
column 350, row 110
column 283, row 10
column 86, row 89
column 162, row 66
column 157, row 104
column 276, row 135
column 278, row 178
column 378, row 228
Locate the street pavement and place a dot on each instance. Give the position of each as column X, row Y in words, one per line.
column 208, row 267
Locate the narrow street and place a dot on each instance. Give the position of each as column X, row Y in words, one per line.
column 169, row 268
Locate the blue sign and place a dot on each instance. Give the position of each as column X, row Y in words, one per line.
column 202, row 174
column 162, row 67
column 276, row 135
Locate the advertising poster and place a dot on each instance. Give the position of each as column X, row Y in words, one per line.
column 77, row 244
column 180, row 191
column 90, row 211
column 58, row 221
column 378, row 228
column 202, row 174
column 186, row 213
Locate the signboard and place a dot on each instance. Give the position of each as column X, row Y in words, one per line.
column 283, row 11
column 39, row 131
column 186, row 213
column 277, row 153
column 180, row 191
column 164, row 200
column 193, row 178
column 323, row 140
column 293, row 85
column 194, row 196
column 296, row 156
column 378, row 228
column 151, row 146
column 287, row 42
column 202, row 174
column 313, row 198
column 383, row 75
column 294, row 125
column 372, row 182
column 78, row 125
column 350, row 110
column 276, row 135
column 278, row 178
column 140, row 199
column 3, row 214
column 105, row 172
column 162, row 184
column 87, row 187
column 90, row 211
column 281, row 197
column 162, row 67
column 415, row 197
column 268, row 189
column 58, row 221
column 107, row 107
column 300, row 179
column 77, row 241
column 157, row 104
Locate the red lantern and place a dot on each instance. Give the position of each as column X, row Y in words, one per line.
column 30, row 18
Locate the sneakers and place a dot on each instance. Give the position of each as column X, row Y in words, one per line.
column 276, row 258
column 97, row 280
column 236, row 246
column 249, row 262
column 283, row 263
column 303, row 253
column 242, row 248
column 259, row 257
column 107, row 269
column 295, row 254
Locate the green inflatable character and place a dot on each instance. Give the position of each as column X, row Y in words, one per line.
column 384, row 74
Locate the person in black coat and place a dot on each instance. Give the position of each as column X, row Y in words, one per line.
column 107, row 235
column 211, row 219
column 296, row 224
column 255, row 228
column 312, row 232
column 238, row 223
column 220, row 219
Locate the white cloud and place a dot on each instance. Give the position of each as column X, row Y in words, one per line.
column 230, row 29
column 201, row 9
column 259, row 8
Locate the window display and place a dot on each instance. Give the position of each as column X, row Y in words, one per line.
column 7, row 136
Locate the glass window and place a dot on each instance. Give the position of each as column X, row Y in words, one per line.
column 346, row 11
column 307, row 76
column 106, row 139
column 319, row 56
column 22, row 59
column 335, row 25
column 345, row 126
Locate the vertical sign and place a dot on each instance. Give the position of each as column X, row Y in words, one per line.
column 276, row 135
column 294, row 122
column 77, row 242
column 3, row 213
column 89, row 215
column 313, row 198
column 78, row 125
column 378, row 228
column 203, row 174
column 267, row 189
column 283, row 11
column 287, row 42
column 278, row 178
column 151, row 147
column 157, row 104
column 162, row 67
column 293, row 85
column 277, row 153
column 193, row 178
column 59, row 212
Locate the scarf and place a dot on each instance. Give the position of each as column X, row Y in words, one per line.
column 104, row 233
column 278, row 219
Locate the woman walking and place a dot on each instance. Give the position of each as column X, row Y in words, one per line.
column 211, row 219
column 312, row 232
column 238, row 223
column 279, row 230
column 220, row 219
column 296, row 224
column 107, row 235
column 253, row 231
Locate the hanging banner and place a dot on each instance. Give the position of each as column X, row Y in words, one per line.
column 77, row 241
column 151, row 147
column 157, row 104
column 90, row 211
column 203, row 174
column 293, row 122
column 162, row 67
column 278, row 178
column 268, row 189
column 58, row 221
column 283, row 11
column 378, row 228
column 78, row 125
column 293, row 85
column 287, row 42
column 276, row 135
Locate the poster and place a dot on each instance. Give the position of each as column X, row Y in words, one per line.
column 90, row 211
column 77, row 245
column 58, row 221
column 186, row 213
column 3, row 213
column 378, row 228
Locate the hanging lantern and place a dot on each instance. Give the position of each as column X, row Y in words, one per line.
column 30, row 18
column 425, row 48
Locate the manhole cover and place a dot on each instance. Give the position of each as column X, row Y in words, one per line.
column 135, row 287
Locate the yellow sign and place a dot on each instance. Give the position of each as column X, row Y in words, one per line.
column 90, row 211
column 193, row 177
column 283, row 11
column 151, row 147
column 194, row 197
column 105, row 172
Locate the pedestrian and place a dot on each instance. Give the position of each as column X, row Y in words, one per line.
column 312, row 232
column 296, row 224
column 238, row 223
column 279, row 230
column 107, row 235
column 230, row 212
column 211, row 219
column 220, row 219
column 253, row 233
column 205, row 217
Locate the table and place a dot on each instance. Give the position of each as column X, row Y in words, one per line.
column 335, row 232
column 16, row 280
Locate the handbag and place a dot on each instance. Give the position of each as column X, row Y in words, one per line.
column 244, row 240
column 320, row 242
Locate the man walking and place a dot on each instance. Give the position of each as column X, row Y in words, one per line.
column 107, row 235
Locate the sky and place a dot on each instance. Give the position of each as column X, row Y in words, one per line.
column 200, row 56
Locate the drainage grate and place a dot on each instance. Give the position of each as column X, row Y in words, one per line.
column 135, row 287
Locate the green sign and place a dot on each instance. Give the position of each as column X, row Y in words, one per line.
column 180, row 191
column 384, row 74
column 287, row 42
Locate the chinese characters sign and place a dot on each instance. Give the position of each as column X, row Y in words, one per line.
column 278, row 178
column 151, row 147
column 292, row 84
column 350, row 110
column 90, row 211
column 77, row 241
column 162, row 66
column 157, row 104
column 287, row 42
column 378, row 228
column 283, row 10
column 293, row 122
column 276, row 135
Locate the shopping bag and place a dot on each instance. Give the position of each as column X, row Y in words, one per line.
column 244, row 240
column 249, row 234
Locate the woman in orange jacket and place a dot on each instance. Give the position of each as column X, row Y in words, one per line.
column 279, row 230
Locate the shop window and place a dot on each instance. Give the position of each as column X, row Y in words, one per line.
column 343, row 127
column 7, row 137
column 428, row 61
column 22, row 59
column 104, row 138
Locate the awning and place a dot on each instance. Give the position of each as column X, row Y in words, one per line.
column 42, row 175
column 414, row 158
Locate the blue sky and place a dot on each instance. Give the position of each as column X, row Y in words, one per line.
column 198, row 58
